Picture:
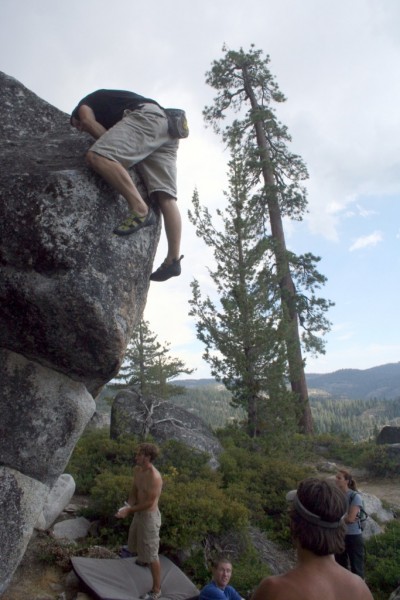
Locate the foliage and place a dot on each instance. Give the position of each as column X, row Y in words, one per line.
column 361, row 419
column 109, row 493
column 193, row 510
column 243, row 340
column 265, row 292
column 381, row 461
column 212, row 403
column 94, row 453
column 53, row 552
column 176, row 459
column 247, row 571
column 148, row 364
column 382, row 561
column 260, row 482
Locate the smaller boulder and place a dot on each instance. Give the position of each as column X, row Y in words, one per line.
column 389, row 435
column 58, row 498
column 71, row 529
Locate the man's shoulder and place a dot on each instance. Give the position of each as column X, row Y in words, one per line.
column 231, row 593
column 287, row 586
column 211, row 592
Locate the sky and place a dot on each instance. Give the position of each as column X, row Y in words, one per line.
column 337, row 64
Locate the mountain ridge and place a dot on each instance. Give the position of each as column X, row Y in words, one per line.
column 382, row 381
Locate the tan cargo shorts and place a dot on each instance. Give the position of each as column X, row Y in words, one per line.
column 141, row 138
column 144, row 535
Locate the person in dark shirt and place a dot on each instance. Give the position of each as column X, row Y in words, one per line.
column 133, row 130
column 218, row 588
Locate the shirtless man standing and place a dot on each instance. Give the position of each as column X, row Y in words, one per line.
column 318, row 529
column 144, row 532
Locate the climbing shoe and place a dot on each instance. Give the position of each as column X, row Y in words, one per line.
column 166, row 271
column 134, row 222
column 150, row 595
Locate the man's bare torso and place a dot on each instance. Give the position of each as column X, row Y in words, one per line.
column 147, row 485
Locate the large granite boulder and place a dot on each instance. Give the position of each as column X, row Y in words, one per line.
column 70, row 289
column 70, row 294
column 389, row 435
column 134, row 414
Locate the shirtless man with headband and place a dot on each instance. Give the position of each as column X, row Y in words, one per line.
column 318, row 530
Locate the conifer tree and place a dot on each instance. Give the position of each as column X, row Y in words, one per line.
column 243, row 336
column 149, row 366
column 275, row 177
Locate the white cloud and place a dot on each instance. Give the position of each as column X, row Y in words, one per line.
column 367, row 240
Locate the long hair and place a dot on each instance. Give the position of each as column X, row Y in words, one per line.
column 349, row 478
column 317, row 521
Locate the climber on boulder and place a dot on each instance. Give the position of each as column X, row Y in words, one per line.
column 133, row 130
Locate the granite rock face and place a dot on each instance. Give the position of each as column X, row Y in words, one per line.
column 70, row 290
column 71, row 293
column 389, row 435
column 133, row 414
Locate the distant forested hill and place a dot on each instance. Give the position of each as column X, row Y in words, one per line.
column 356, row 402
column 355, row 384
column 352, row 401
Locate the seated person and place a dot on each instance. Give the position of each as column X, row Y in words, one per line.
column 219, row 589
column 318, row 530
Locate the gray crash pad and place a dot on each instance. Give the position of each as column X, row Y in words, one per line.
column 122, row 579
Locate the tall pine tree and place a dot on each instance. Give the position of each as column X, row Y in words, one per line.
column 245, row 86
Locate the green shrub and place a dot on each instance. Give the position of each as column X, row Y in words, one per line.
column 193, row 510
column 380, row 462
column 188, row 463
column 261, row 483
column 383, row 560
column 96, row 452
column 248, row 572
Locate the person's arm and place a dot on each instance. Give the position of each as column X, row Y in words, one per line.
column 353, row 510
column 87, row 122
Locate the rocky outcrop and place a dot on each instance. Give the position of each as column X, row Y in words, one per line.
column 70, row 294
column 134, row 414
column 59, row 497
column 389, row 435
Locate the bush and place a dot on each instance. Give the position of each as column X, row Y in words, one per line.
column 193, row 510
column 261, row 483
column 380, row 462
column 189, row 463
column 383, row 560
column 96, row 452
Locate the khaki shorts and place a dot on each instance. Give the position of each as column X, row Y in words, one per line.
column 141, row 138
column 144, row 535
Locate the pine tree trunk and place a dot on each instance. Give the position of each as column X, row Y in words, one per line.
column 287, row 289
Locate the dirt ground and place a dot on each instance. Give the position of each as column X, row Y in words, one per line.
column 387, row 490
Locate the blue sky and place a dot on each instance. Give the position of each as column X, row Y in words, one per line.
column 338, row 65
